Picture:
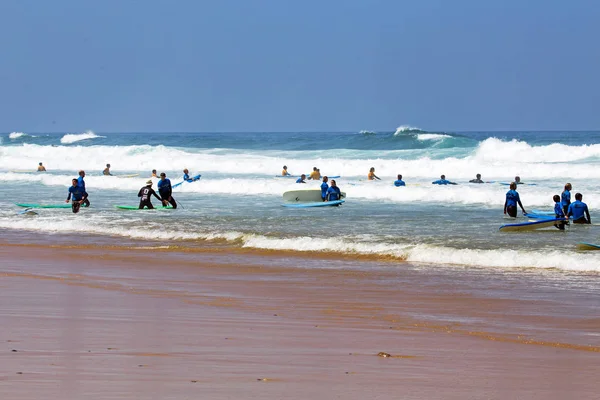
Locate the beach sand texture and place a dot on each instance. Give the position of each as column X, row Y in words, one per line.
column 109, row 323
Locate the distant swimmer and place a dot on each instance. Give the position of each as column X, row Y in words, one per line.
column 41, row 168
column 154, row 174
column 186, row 176
column 477, row 179
column 566, row 197
column 399, row 181
column 285, row 171
column 315, row 174
column 579, row 211
column 333, row 193
column 301, row 179
column 107, row 170
column 512, row 199
column 443, row 181
column 165, row 190
column 81, row 183
column 145, row 194
column 324, row 188
column 77, row 195
column 558, row 212
column 518, row 180
column 372, row 175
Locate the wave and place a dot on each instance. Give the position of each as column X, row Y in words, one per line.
column 419, row 253
column 367, row 133
column 432, row 136
column 404, row 129
column 76, row 137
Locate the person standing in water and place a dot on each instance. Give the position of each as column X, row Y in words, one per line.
column 443, row 181
column 81, row 184
column 165, row 190
column 477, row 179
column 579, row 211
column 512, row 199
column 315, row 174
column 154, row 174
column 565, row 198
column 399, row 181
column 145, row 194
column 333, row 193
column 301, row 179
column 106, row 171
column 41, row 168
column 324, row 188
column 371, row 176
column 77, row 195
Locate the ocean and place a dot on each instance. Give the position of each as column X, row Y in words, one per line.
column 237, row 202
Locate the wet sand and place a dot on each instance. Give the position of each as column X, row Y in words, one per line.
column 109, row 323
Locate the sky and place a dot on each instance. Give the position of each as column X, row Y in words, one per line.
column 283, row 65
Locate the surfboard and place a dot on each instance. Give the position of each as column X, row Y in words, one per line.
column 287, row 176
column 304, row 196
column 140, row 209
column 31, row 205
column 194, row 179
column 539, row 216
column 543, row 212
column 530, row 226
column 588, row 246
column 314, row 204
column 128, row 176
column 522, row 183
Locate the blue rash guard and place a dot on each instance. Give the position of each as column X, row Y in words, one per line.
column 164, row 187
column 399, row 182
column 299, row 180
column 443, row 182
column 565, row 198
column 333, row 193
column 77, row 192
column 558, row 210
column 81, row 183
column 577, row 210
column 512, row 198
column 187, row 178
column 324, row 188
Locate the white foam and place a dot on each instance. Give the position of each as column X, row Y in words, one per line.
column 76, row 137
column 432, row 136
column 16, row 135
column 402, row 129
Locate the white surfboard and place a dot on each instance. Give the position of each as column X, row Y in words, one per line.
column 305, row 196
column 530, row 226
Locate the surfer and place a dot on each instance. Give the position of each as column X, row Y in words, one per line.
column 315, row 174
column 285, row 171
column 41, row 168
column 333, row 193
column 324, row 188
column 186, row 176
column 372, row 175
column 565, row 197
column 301, row 179
column 518, row 180
column 477, row 179
column 154, row 174
column 558, row 212
column 144, row 195
column 399, row 181
column 107, row 170
column 81, row 184
column 512, row 199
column 78, row 195
column 443, row 181
column 165, row 190
column 579, row 210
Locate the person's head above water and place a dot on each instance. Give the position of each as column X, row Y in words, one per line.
column 443, row 177
column 517, row 179
column 513, row 185
column 478, row 176
column 399, row 177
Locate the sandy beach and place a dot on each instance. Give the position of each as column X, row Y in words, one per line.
column 111, row 323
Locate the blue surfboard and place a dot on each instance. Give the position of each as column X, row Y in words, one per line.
column 194, row 179
column 531, row 226
column 588, row 246
column 314, row 204
column 519, row 184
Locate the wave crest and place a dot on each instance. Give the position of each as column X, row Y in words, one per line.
column 76, row 137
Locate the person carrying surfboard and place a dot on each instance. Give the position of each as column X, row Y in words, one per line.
column 41, row 168
column 186, row 176
column 81, row 183
column 371, row 176
column 512, row 199
column 145, row 194
column 165, row 190
column 333, row 193
column 558, row 212
column 565, row 197
column 77, row 194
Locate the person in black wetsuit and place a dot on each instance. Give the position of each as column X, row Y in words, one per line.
column 165, row 190
column 144, row 195
column 78, row 195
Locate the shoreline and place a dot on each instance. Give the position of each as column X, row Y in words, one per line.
column 110, row 323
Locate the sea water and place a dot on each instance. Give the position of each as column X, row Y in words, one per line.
column 238, row 200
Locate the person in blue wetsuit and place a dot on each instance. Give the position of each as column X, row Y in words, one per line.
column 333, row 193
column 443, row 181
column 558, row 212
column 399, row 181
column 512, row 199
column 565, row 198
column 324, row 188
column 186, row 176
column 77, row 195
column 301, row 179
column 145, row 194
column 579, row 211
column 165, row 191
column 81, row 183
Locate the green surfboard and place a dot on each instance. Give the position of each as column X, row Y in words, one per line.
column 63, row 205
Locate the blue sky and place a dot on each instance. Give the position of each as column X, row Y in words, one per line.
column 282, row 65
